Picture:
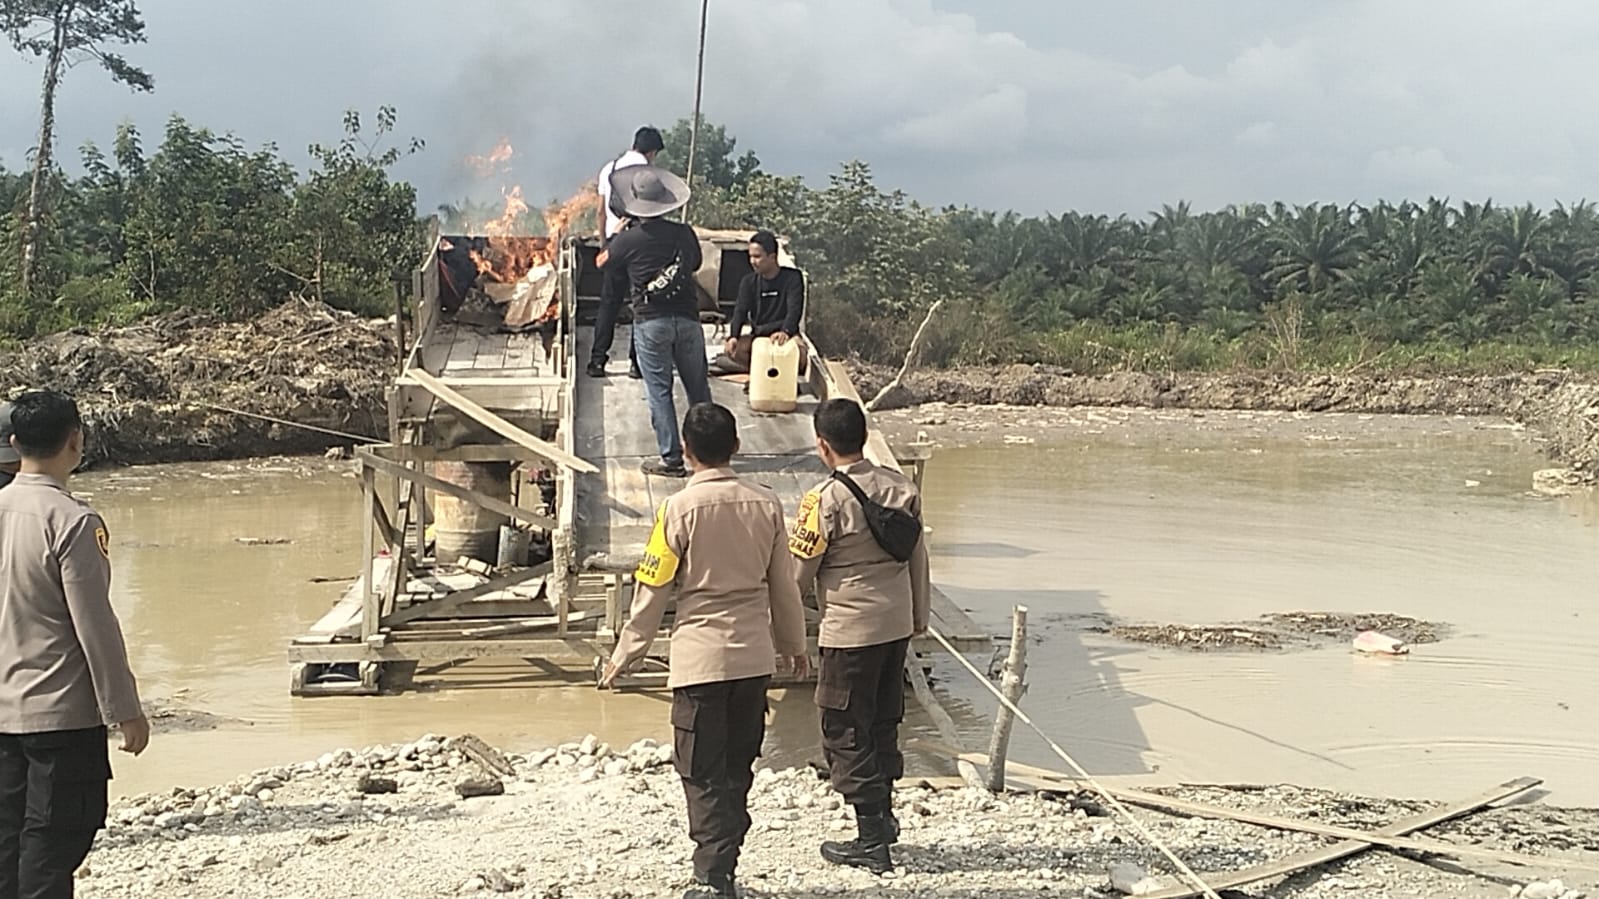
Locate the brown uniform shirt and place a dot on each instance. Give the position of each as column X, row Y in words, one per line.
column 721, row 543
column 866, row 597
column 63, row 665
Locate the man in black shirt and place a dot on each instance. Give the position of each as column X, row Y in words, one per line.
column 771, row 301
column 656, row 260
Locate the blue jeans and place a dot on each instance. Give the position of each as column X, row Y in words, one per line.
column 663, row 343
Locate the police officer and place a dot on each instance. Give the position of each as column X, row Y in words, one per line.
column 9, row 460
column 720, row 543
column 63, row 667
column 871, row 606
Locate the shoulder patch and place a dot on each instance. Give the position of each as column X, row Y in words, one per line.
column 807, row 540
column 103, row 540
column 658, row 566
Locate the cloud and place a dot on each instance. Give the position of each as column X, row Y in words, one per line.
column 960, row 101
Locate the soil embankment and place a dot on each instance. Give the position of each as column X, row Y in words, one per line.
column 186, row 386
column 1562, row 408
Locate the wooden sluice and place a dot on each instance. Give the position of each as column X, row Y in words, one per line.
column 570, row 447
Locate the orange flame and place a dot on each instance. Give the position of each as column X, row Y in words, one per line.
column 558, row 217
column 494, row 161
column 510, row 221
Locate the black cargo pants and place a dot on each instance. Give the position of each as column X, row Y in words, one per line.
column 717, row 730
column 53, row 789
column 615, row 283
column 861, row 693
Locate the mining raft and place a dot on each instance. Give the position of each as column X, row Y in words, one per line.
column 505, row 515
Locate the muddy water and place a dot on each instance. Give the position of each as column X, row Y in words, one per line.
column 1174, row 518
column 1142, row 517
column 208, row 618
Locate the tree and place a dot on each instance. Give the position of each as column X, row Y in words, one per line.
column 715, row 164
column 65, row 33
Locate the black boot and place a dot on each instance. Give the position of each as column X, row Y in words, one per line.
column 890, row 828
column 868, row 850
column 716, row 886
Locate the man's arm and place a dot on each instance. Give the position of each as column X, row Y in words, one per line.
column 657, row 570
column 86, row 582
column 742, row 307
column 616, row 255
column 807, row 541
column 788, row 610
column 921, row 581
column 794, row 303
column 693, row 256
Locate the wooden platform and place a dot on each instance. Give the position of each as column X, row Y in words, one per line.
column 615, row 509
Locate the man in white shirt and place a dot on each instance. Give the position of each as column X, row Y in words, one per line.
column 647, row 144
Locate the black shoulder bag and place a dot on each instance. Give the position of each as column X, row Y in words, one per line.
column 895, row 530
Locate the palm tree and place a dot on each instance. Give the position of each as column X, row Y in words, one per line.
column 1314, row 247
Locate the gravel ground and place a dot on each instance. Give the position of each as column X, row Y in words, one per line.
column 584, row 821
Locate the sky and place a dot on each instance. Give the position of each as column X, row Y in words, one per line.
column 1033, row 105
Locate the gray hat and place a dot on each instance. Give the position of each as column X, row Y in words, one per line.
column 8, row 453
column 647, row 191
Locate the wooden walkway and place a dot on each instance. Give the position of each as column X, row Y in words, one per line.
column 615, row 509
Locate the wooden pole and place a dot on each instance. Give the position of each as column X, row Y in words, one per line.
column 369, row 539
column 694, row 124
column 1012, row 683
column 541, row 448
column 941, row 718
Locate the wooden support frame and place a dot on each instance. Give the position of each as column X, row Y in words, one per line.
column 449, row 601
column 542, row 448
column 369, row 524
column 373, row 460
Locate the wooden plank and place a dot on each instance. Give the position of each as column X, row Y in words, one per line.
column 499, row 452
column 490, row 353
column 369, row 596
column 483, row 380
column 1316, row 857
column 575, row 650
column 545, row 450
column 395, row 469
column 523, row 626
column 941, row 720
column 455, row 600
column 1205, row 810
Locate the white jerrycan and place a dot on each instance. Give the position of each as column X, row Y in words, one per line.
column 774, row 375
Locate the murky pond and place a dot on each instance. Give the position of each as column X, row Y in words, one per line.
column 1205, row 520
column 1139, row 517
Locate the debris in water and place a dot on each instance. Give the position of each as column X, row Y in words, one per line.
column 262, row 541
column 1381, row 644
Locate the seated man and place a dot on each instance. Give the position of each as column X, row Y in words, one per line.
column 771, row 301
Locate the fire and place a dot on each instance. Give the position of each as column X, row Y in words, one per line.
column 492, row 163
column 558, row 217
column 509, row 223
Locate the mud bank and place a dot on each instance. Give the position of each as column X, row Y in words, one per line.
column 185, row 386
column 1561, row 408
column 582, row 820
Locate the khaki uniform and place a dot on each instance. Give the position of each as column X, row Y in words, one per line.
column 720, row 545
column 64, row 675
column 871, row 606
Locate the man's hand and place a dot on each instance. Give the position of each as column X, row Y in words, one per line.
column 800, row 665
column 919, row 630
column 780, row 337
column 135, row 735
column 599, row 261
column 608, row 679
column 731, row 346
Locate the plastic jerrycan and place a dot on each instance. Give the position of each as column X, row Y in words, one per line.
column 774, row 375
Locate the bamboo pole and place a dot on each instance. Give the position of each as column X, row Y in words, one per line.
column 1012, row 685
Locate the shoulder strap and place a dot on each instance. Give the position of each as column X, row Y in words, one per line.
column 847, row 481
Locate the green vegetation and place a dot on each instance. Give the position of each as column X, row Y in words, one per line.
column 1431, row 287
column 204, row 223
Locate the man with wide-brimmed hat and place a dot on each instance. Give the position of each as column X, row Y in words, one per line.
column 655, row 262
column 647, row 144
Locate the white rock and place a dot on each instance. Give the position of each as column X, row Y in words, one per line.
column 168, row 820
column 615, row 767
column 1543, row 890
column 541, row 758
column 663, row 755
column 589, row 744
column 1125, row 877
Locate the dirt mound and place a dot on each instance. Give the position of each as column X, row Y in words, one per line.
column 1279, row 630
column 1562, row 407
column 184, row 386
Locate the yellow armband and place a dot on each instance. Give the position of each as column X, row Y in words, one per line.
column 659, row 564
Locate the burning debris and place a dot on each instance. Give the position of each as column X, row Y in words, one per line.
column 503, row 274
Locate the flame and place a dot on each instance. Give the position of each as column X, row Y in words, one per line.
column 495, row 161
column 558, row 217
